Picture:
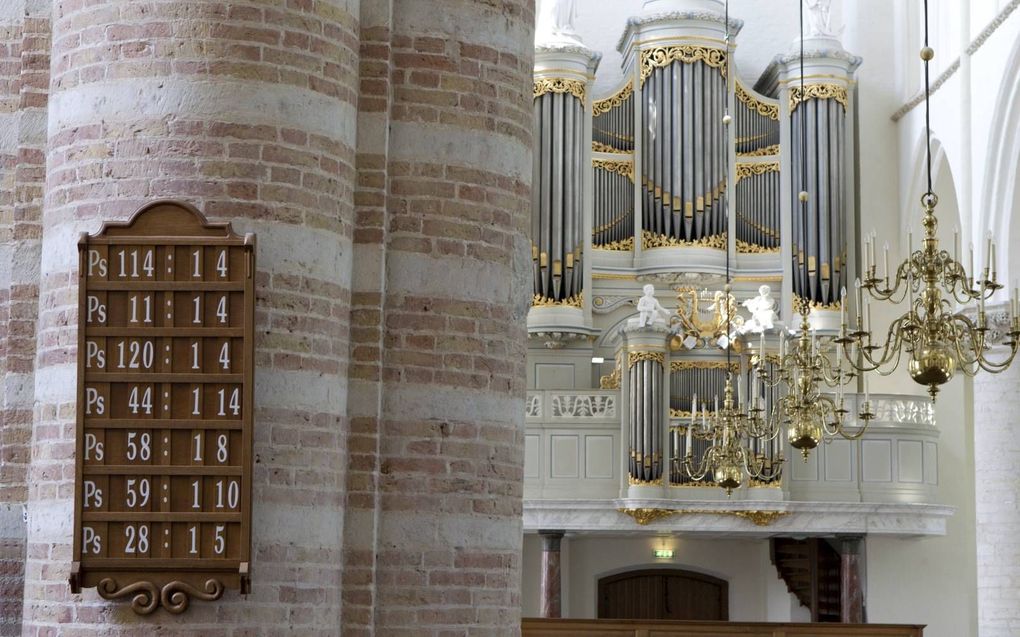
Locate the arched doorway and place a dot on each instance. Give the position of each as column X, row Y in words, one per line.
column 663, row 594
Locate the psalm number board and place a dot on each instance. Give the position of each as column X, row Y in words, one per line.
column 164, row 416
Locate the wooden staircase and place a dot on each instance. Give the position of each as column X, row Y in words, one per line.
column 811, row 570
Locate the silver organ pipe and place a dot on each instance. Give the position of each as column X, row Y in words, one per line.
column 613, row 122
column 646, row 421
column 557, row 192
column 757, row 206
column 819, row 235
column 682, row 143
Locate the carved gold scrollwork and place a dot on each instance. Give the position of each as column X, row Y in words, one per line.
column 764, row 109
column 761, row 518
column 623, row 167
column 146, row 597
column 815, row 305
column 750, row 169
column 543, row 301
column 652, row 240
column 622, row 246
column 612, row 381
column 677, row 366
column 688, row 54
column 636, row 357
column 761, row 152
column 744, row 247
column 817, row 91
column 645, row 516
column 559, row 85
column 599, row 147
column 604, row 106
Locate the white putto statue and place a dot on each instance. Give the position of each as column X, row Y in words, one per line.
column 763, row 311
column 649, row 308
column 555, row 23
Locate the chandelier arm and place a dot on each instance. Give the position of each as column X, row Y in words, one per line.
column 891, row 350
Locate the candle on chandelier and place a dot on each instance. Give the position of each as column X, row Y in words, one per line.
column 694, row 408
column 994, row 267
column 690, row 436
column 842, row 309
column 885, row 250
column 860, row 299
column 970, row 269
column 988, row 254
column 956, row 244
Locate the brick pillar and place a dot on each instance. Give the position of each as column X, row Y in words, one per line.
column 247, row 110
column 996, row 493
column 851, row 578
column 441, row 433
column 24, row 85
column 551, row 586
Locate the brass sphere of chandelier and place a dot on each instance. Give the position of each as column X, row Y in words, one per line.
column 807, row 414
column 937, row 339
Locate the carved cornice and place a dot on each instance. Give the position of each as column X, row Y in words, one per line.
column 819, row 92
column 750, row 169
column 735, row 25
column 623, row 167
column 559, row 85
column 764, row 109
column 660, row 56
column 605, row 105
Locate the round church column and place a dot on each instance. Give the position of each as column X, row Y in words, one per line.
column 457, row 292
column 997, row 516
column 247, row 111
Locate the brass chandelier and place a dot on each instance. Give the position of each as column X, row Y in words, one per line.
column 808, row 414
column 731, row 428
column 730, row 457
column 936, row 338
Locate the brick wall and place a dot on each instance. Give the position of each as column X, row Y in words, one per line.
column 244, row 109
column 381, row 149
column 24, row 84
column 456, row 292
column 996, row 493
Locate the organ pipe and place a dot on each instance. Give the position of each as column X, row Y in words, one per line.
column 557, row 231
column 819, row 238
column 683, row 146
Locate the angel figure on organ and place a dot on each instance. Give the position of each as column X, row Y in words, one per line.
column 762, row 309
column 649, row 308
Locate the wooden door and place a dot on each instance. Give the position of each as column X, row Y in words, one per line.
column 663, row 594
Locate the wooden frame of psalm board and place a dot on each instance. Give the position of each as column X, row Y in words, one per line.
column 162, row 492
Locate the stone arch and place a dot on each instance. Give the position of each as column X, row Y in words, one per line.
column 1001, row 193
column 944, row 184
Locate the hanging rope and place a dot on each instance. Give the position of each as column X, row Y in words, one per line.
column 926, row 55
